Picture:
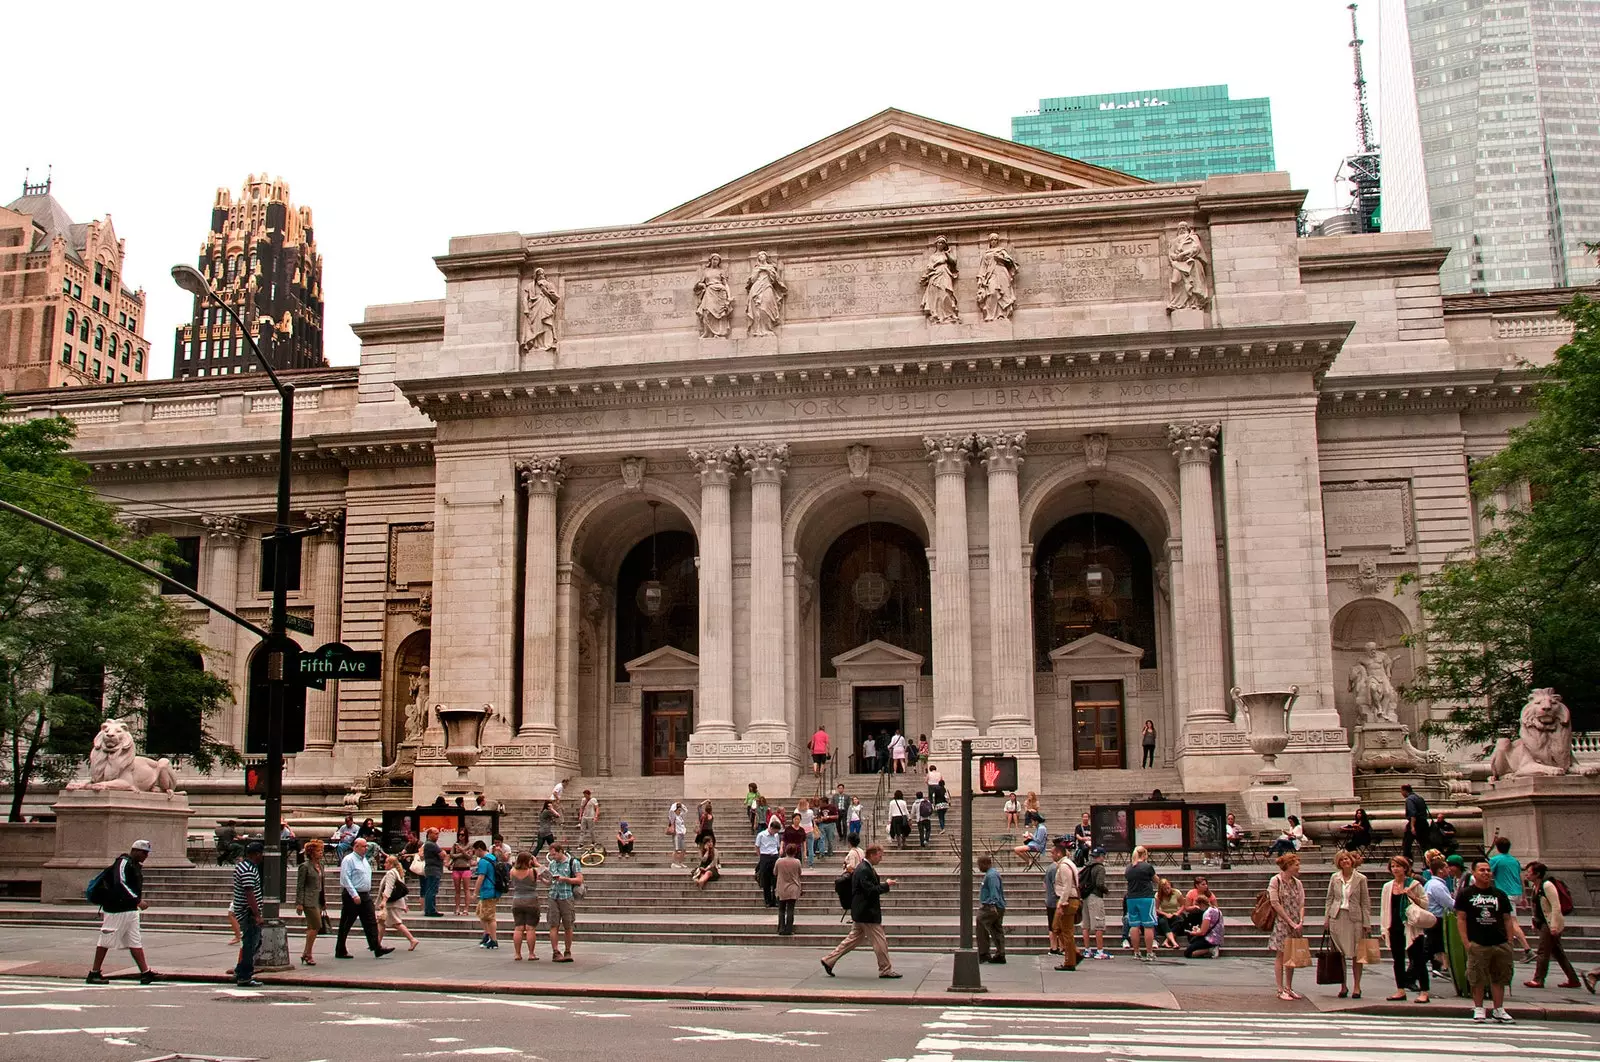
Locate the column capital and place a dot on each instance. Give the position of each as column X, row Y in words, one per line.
column 1194, row 442
column 949, row 453
column 137, row 526
column 1002, row 450
column 767, row 462
column 541, row 475
column 327, row 521
column 225, row 529
column 717, row 464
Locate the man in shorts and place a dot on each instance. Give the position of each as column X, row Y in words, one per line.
column 121, row 898
column 488, row 910
column 819, row 751
column 1093, row 887
column 565, row 873
column 1488, row 923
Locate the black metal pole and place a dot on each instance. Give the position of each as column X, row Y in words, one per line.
column 965, row 975
column 277, row 661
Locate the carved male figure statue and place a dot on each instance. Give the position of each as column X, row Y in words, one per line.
column 1190, row 289
column 764, row 293
column 417, row 708
column 939, row 285
column 997, row 273
column 714, row 302
column 539, row 300
column 1372, row 682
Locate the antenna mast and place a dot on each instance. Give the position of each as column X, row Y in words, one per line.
column 1363, row 118
column 1365, row 213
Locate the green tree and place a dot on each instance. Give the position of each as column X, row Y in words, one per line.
column 1522, row 612
column 82, row 637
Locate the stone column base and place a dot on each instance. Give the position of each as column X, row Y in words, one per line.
column 94, row 826
column 523, row 771
column 726, row 768
column 1555, row 819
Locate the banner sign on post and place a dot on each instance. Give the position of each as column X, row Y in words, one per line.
column 340, row 663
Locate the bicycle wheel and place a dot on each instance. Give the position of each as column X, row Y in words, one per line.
column 593, row 857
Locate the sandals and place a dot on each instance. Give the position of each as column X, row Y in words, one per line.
column 1398, row 997
column 1590, row 980
column 306, row 960
column 1286, row 995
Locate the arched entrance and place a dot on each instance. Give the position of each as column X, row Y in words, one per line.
column 408, row 693
column 657, row 627
column 294, row 709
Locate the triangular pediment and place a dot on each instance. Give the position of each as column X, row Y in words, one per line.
column 895, row 158
column 877, row 653
column 1098, row 646
column 664, row 659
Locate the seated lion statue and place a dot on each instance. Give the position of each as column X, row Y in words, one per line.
column 1545, row 747
column 114, row 765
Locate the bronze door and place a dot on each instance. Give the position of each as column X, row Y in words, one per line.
column 1097, row 726
column 668, row 718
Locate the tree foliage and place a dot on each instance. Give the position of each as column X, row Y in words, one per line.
column 1524, row 611
column 82, row 637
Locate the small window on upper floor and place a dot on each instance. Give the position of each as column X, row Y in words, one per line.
column 269, row 568
column 72, row 322
column 99, row 339
column 133, row 323
column 122, row 319
column 83, row 328
column 77, row 292
column 97, row 272
column 185, row 567
column 124, row 377
column 66, row 354
column 66, row 286
column 127, row 351
column 138, row 361
column 82, row 360
column 97, row 368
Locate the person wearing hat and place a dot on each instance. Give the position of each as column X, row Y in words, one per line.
column 1092, row 886
column 121, row 896
column 246, row 907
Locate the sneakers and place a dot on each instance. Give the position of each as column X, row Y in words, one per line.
column 148, row 977
column 252, row 983
column 492, row 945
column 1098, row 953
column 1499, row 1014
column 1478, row 1014
column 96, row 978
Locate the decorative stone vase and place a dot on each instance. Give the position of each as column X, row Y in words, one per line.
column 463, row 730
column 1266, row 726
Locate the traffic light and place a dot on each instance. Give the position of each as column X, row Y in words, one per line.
column 997, row 774
column 255, row 777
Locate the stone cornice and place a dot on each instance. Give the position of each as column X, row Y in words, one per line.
column 1410, row 394
column 413, row 328
column 1305, row 348
column 1548, row 299
column 1250, row 206
column 311, row 455
column 1385, row 261
column 486, row 262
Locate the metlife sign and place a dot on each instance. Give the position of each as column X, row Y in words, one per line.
column 1148, row 101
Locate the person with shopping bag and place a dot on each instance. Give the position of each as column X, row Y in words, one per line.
column 1348, row 918
column 1406, row 921
column 1287, row 895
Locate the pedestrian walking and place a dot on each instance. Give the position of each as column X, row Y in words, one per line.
column 924, row 816
column 866, row 915
column 819, row 751
column 1487, row 921
column 588, row 815
column 1140, row 909
column 1069, row 901
column 1508, row 879
column 939, row 793
column 119, row 892
column 624, row 841
column 1092, row 889
column 991, row 913
column 355, row 902
column 677, row 829
column 246, row 907
column 524, row 907
column 869, row 755
column 808, row 826
column 853, row 822
column 392, row 906
column 899, row 819
column 566, row 874
column 1550, row 922
column 769, row 844
column 1287, row 894
column 1417, row 830
column 1403, row 905
column 1347, row 914
column 432, row 873
column 752, row 801
column 922, row 751
column 545, row 831
column 486, row 888
column 897, row 752
column 310, row 897
column 787, row 874
column 461, row 861
column 1147, row 741
column 841, row 808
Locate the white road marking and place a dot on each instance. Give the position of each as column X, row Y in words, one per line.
column 117, row 1041
column 445, row 1040
column 598, row 1014
column 74, row 1007
column 708, row 1035
column 828, row 1012
column 525, row 1003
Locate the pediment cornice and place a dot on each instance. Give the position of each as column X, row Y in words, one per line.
column 1411, row 394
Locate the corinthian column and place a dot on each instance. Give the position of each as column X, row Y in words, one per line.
column 1010, row 654
column 322, row 706
column 952, row 604
column 224, row 536
column 540, row 478
column 714, row 713
column 766, row 463
column 1193, row 444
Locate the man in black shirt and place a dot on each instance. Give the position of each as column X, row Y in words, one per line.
column 1487, row 922
column 120, row 894
column 1417, row 830
column 432, row 874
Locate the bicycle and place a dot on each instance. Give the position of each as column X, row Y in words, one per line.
column 591, row 855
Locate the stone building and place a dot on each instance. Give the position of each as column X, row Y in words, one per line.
column 261, row 256
column 65, row 317
column 914, row 427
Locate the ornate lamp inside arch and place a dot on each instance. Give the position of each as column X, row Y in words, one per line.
column 870, row 589
column 652, row 596
column 1098, row 579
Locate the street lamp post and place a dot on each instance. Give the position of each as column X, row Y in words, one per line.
column 278, row 647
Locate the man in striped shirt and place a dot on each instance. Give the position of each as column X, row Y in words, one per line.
column 246, row 907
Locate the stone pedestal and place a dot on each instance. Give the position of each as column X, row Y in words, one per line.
column 94, row 826
column 1259, row 801
column 1555, row 820
column 1387, row 746
column 1186, row 320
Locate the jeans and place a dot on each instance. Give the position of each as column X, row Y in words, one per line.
column 785, row 918
column 811, row 848
column 430, row 894
column 1197, row 944
column 249, row 944
column 1149, row 759
column 941, row 813
column 924, row 830
column 540, row 842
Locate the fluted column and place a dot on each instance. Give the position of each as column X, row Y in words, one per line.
column 1193, row 444
column 224, row 536
column 767, row 463
column 322, row 706
column 952, row 602
column 714, row 712
column 1010, row 649
column 540, row 478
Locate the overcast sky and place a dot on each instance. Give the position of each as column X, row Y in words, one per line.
column 402, row 125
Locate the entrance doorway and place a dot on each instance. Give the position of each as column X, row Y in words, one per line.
column 668, row 719
column 1097, row 726
column 879, row 712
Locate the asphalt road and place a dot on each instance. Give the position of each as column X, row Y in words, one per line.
column 59, row 1021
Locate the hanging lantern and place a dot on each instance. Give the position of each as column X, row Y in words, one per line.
column 1098, row 580
column 870, row 590
column 652, row 596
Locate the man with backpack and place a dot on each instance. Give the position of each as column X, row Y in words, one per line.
column 1092, row 887
column 491, row 879
column 1552, row 902
column 119, row 891
column 924, row 814
column 566, row 878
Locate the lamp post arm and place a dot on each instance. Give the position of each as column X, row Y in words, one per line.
column 248, row 338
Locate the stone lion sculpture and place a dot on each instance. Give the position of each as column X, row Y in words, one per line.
column 113, row 764
column 1545, row 747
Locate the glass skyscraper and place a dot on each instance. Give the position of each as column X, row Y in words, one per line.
column 1181, row 134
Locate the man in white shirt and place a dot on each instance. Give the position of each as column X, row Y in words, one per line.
column 869, row 755
column 355, row 888
column 768, row 843
column 588, row 813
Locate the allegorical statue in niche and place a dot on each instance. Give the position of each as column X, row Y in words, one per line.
column 764, row 292
column 713, row 301
column 939, row 285
column 417, row 707
column 997, row 274
column 1372, row 681
column 1190, row 288
column 539, row 300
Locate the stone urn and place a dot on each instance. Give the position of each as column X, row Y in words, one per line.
column 1266, row 726
column 463, row 730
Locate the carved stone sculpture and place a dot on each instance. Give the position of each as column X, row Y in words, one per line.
column 859, row 458
column 939, row 285
column 1372, row 681
column 713, row 305
column 997, row 274
column 633, row 473
column 1095, row 445
column 539, row 300
column 1189, row 281
column 1367, row 579
column 417, row 707
column 1545, row 747
column 113, row 764
column 764, row 292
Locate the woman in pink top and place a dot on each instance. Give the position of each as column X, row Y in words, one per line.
column 819, row 750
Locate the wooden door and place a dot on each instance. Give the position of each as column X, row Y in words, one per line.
column 668, row 719
column 1097, row 726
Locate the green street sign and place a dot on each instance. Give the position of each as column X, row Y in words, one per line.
column 295, row 623
column 339, row 662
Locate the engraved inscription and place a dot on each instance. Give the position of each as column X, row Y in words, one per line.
column 872, row 287
column 648, row 303
column 1366, row 516
column 1091, row 272
column 411, row 554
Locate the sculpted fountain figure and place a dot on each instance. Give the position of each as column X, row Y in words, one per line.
column 1372, row 681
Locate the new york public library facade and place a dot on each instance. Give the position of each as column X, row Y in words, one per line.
column 914, row 427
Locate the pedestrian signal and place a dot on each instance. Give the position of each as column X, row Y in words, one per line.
column 255, row 778
column 997, row 774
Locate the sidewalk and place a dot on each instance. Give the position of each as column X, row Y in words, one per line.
column 765, row 973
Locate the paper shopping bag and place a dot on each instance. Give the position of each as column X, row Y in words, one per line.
column 1296, row 952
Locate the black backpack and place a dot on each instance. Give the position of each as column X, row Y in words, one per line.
column 845, row 887
column 1095, row 883
column 502, row 877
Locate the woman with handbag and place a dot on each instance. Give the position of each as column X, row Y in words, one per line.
column 1287, row 895
column 1348, row 918
column 899, row 819
column 392, row 901
column 308, row 896
column 1406, row 922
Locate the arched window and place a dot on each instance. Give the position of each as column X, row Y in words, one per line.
column 99, row 339
column 83, row 329
column 875, row 588
column 138, row 362
column 72, row 322
column 127, row 351
column 676, row 619
column 1064, row 609
column 97, row 272
column 113, row 344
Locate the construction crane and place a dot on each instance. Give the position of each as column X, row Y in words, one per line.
column 1362, row 168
